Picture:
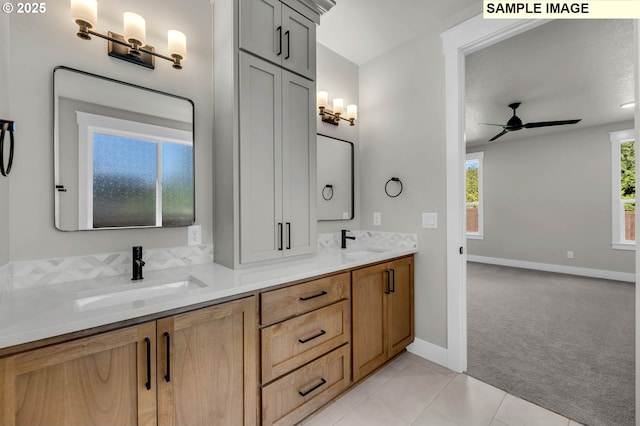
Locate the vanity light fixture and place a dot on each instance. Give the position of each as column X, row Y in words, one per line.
column 334, row 116
column 132, row 45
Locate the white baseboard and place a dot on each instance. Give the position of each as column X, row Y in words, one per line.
column 429, row 351
column 562, row 269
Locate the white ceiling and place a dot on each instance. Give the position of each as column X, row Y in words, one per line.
column 360, row 30
column 562, row 70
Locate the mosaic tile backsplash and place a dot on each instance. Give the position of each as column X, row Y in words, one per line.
column 38, row 273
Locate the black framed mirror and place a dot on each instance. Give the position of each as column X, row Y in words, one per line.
column 335, row 178
column 123, row 154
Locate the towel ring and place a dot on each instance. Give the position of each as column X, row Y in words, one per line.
column 386, row 189
column 330, row 188
column 6, row 126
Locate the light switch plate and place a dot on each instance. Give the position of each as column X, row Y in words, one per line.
column 194, row 235
column 429, row 220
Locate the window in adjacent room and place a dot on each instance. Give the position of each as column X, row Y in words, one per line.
column 623, row 160
column 474, row 200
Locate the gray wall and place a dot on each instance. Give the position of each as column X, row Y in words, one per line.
column 5, row 113
column 402, row 99
column 546, row 195
column 339, row 77
column 37, row 44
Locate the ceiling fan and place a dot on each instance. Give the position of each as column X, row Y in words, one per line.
column 515, row 123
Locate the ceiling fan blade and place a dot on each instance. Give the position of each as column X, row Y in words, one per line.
column 492, row 124
column 497, row 136
column 549, row 123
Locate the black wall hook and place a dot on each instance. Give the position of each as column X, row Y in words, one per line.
column 6, row 126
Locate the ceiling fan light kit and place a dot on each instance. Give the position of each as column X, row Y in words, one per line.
column 515, row 123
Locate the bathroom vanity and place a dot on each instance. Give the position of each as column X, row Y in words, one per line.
column 265, row 345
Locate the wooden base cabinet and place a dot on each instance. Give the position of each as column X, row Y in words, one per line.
column 203, row 371
column 382, row 313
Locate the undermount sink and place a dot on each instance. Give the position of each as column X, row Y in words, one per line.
column 140, row 293
column 363, row 252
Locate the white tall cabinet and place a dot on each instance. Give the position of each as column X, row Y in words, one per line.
column 264, row 129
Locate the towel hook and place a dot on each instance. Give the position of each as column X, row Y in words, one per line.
column 6, row 126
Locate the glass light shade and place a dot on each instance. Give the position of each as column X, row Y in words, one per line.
column 338, row 106
column 134, row 28
column 177, row 43
column 85, row 10
column 323, row 99
column 352, row 112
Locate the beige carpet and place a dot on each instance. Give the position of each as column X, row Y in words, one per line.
column 563, row 342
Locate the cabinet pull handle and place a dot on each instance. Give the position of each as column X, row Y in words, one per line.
column 322, row 382
column 148, row 383
column 288, row 235
column 322, row 333
column 388, row 290
column 304, row 299
column 286, row 34
column 393, row 280
column 280, row 236
column 279, row 30
column 167, row 377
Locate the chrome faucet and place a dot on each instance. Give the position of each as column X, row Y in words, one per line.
column 138, row 263
column 345, row 238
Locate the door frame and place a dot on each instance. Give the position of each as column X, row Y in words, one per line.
column 468, row 37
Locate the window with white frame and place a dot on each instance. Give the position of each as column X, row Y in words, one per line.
column 116, row 191
column 474, row 198
column 623, row 198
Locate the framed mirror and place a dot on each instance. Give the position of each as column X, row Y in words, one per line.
column 335, row 178
column 123, row 154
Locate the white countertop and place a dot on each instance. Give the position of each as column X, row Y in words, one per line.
column 28, row 315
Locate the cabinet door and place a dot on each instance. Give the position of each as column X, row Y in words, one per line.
column 261, row 30
column 369, row 314
column 209, row 375
column 106, row 379
column 261, row 225
column 400, row 306
column 299, row 164
column 298, row 43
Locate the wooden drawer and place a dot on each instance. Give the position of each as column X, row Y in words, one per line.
column 293, row 397
column 292, row 343
column 277, row 305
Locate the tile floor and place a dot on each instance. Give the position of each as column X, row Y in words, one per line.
column 414, row 391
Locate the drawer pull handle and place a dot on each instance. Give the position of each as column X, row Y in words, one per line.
column 304, row 299
column 322, row 382
column 148, row 344
column 388, row 290
column 322, row 333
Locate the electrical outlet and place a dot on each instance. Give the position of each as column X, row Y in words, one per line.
column 345, row 215
column 194, row 235
column 377, row 218
column 569, row 254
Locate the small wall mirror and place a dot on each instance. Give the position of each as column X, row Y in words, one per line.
column 123, row 154
column 335, row 178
